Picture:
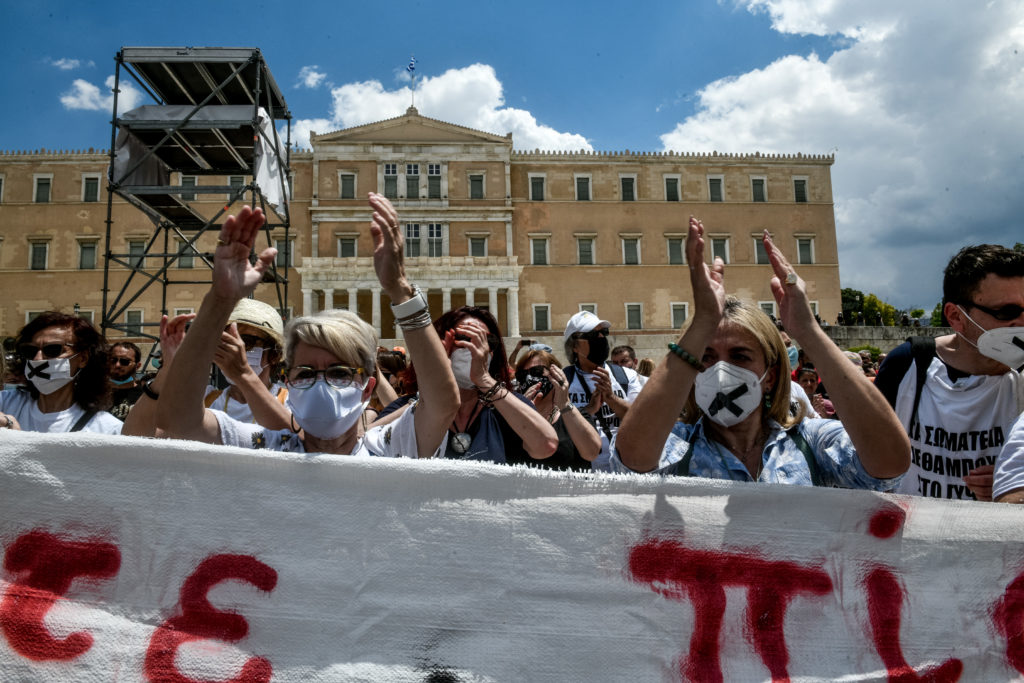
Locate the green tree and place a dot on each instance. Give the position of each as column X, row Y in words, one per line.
column 916, row 313
column 853, row 303
column 1019, row 247
column 938, row 319
column 875, row 307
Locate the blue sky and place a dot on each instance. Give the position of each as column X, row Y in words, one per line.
column 918, row 100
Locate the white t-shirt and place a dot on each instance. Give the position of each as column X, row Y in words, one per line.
column 393, row 440
column 961, row 425
column 236, row 409
column 578, row 397
column 1010, row 464
column 25, row 409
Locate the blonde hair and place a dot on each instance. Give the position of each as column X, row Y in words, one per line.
column 753, row 320
column 343, row 333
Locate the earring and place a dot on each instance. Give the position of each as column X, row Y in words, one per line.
column 767, row 402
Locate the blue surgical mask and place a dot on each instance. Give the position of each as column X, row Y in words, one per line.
column 794, row 356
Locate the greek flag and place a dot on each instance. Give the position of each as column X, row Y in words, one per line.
column 412, row 65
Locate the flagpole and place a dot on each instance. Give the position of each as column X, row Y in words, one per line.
column 412, row 70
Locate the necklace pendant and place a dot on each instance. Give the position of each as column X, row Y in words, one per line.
column 460, row 442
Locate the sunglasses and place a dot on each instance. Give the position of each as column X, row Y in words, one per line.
column 123, row 362
column 1003, row 313
column 594, row 334
column 251, row 341
column 29, row 351
column 340, row 376
column 535, row 371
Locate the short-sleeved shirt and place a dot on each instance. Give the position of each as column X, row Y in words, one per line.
column 578, row 397
column 1009, row 474
column 783, row 462
column 25, row 409
column 394, row 440
column 236, row 409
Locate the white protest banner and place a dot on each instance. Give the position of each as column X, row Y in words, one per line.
column 143, row 560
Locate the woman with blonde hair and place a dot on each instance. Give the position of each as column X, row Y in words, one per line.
column 731, row 372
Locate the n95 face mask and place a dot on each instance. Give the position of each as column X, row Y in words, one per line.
column 728, row 394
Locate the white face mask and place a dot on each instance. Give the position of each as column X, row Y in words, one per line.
column 1003, row 344
column 324, row 411
column 462, row 364
column 255, row 360
column 49, row 375
column 728, row 394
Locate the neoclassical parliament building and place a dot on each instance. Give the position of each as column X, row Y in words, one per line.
column 534, row 236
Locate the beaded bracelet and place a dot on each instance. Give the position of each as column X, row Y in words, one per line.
column 489, row 397
column 686, row 356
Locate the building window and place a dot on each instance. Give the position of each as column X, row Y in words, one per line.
column 760, row 253
column 478, row 247
column 715, row 193
column 42, row 191
column 346, row 247
column 1, row 187
column 189, row 181
column 284, row 253
column 136, row 253
column 814, row 307
column 476, row 186
column 183, row 311
column 628, row 186
column 346, row 185
column 391, row 181
column 435, row 240
column 634, row 316
column 800, row 190
column 539, row 251
column 541, row 317
column 585, row 250
column 720, row 249
column 676, row 254
column 589, row 308
column 412, row 240
column 235, row 182
column 757, row 189
column 412, row 181
column 433, row 181
column 537, row 188
column 87, row 255
column 85, row 315
column 32, row 315
column 187, row 255
column 680, row 311
column 631, row 251
column 90, row 188
column 672, row 189
column 38, row 253
column 583, row 188
column 767, row 307
column 133, row 322
column 805, row 250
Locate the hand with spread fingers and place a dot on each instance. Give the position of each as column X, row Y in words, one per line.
column 230, row 355
column 388, row 247
column 233, row 276
column 708, row 282
column 472, row 334
column 789, row 290
column 559, row 386
column 172, row 332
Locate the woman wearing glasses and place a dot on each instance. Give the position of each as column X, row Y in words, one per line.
column 64, row 359
column 329, row 359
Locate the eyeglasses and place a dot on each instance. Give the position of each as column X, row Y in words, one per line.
column 123, row 362
column 29, row 351
column 251, row 341
column 340, row 376
column 1003, row 313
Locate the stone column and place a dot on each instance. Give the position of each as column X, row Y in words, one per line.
column 307, row 301
column 328, row 299
column 375, row 315
column 492, row 301
column 470, row 296
column 353, row 300
column 512, row 303
column 446, row 299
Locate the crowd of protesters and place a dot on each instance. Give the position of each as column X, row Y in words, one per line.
column 738, row 396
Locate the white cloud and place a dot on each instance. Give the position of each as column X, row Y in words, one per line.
column 471, row 96
column 921, row 104
column 85, row 95
column 310, row 77
column 68, row 64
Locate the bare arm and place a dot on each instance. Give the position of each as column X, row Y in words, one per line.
column 645, row 429
column 881, row 442
column 180, row 411
column 141, row 419
column 439, row 395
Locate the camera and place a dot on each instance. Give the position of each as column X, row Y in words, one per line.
column 534, row 375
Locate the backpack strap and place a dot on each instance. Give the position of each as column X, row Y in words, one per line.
column 83, row 420
column 620, row 376
column 922, row 350
column 570, row 374
column 211, row 397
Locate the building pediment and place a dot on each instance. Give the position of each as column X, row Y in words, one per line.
column 410, row 128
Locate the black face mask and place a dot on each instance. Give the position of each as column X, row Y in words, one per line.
column 598, row 353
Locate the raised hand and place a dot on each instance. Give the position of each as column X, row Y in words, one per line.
column 706, row 281
column 233, row 276
column 230, row 355
column 388, row 246
column 472, row 334
column 172, row 332
column 789, row 290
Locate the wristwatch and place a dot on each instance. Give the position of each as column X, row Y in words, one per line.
column 568, row 409
column 412, row 306
column 147, row 389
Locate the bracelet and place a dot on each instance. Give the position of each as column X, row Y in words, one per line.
column 147, row 389
column 415, row 321
column 489, row 397
column 9, row 423
column 411, row 306
column 686, row 356
column 568, row 409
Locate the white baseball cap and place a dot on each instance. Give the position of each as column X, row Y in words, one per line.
column 584, row 321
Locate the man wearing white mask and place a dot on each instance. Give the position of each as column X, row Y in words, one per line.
column 64, row 359
column 957, row 395
column 249, row 351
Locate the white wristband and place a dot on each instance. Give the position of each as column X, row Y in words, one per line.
column 414, row 305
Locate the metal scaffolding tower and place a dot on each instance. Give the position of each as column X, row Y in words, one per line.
column 216, row 114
